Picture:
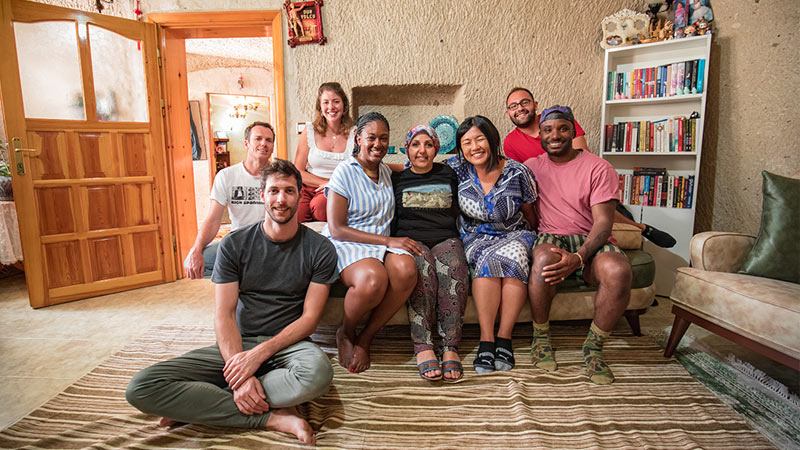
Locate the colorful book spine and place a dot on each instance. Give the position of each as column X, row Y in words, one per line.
column 668, row 81
column 701, row 73
column 687, row 82
column 628, row 136
column 627, row 194
column 673, row 82
column 670, row 193
column 681, row 77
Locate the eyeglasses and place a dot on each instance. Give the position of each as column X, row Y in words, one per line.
column 515, row 106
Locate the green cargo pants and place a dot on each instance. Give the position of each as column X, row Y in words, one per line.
column 192, row 389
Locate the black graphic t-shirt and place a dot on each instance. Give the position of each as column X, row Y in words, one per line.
column 426, row 205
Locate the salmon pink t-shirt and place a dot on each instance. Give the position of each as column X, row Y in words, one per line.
column 567, row 191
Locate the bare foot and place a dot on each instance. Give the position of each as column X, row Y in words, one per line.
column 453, row 374
column 345, row 347
column 166, row 423
column 359, row 362
column 428, row 355
column 286, row 420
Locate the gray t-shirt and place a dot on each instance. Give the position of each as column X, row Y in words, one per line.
column 273, row 276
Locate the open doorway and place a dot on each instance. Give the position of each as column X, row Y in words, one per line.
column 230, row 85
column 182, row 39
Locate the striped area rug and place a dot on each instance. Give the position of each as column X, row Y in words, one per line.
column 654, row 403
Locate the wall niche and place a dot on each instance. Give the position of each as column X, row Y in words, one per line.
column 405, row 106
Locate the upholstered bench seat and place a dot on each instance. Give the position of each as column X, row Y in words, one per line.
column 573, row 301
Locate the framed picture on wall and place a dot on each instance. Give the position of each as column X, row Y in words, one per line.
column 305, row 22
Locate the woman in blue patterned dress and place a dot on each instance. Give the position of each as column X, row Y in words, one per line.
column 377, row 269
column 496, row 198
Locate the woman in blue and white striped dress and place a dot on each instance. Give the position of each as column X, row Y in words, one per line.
column 377, row 269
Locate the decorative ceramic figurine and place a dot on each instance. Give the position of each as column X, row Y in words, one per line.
column 665, row 33
column 702, row 27
column 623, row 28
column 659, row 31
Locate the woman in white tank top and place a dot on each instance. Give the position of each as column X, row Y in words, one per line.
column 324, row 143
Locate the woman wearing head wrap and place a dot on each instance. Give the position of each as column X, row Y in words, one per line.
column 377, row 269
column 496, row 198
column 426, row 210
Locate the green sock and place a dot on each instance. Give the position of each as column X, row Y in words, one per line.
column 596, row 367
column 542, row 353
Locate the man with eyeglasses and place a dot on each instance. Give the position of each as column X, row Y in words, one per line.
column 524, row 143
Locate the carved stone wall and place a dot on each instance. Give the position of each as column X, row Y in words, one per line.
column 553, row 48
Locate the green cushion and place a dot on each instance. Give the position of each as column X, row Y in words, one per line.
column 775, row 253
column 642, row 266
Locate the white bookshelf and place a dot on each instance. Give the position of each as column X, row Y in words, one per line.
column 679, row 222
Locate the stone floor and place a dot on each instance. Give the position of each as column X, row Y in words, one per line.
column 45, row 350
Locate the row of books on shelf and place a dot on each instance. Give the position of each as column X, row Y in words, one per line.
column 676, row 134
column 669, row 80
column 650, row 186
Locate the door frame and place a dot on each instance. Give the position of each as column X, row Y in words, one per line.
column 174, row 29
column 15, row 123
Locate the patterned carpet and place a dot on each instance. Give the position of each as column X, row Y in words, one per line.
column 655, row 403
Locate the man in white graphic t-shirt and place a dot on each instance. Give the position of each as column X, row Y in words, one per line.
column 236, row 187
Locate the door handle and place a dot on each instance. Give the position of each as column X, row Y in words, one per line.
column 18, row 151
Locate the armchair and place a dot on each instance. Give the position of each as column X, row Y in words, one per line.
column 758, row 313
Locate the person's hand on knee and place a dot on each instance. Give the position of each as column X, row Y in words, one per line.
column 193, row 264
column 566, row 266
column 250, row 397
column 240, row 367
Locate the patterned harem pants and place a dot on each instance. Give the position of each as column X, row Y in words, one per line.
column 440, row 296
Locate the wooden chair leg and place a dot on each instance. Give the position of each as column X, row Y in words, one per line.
column 632, row 316
column 679, row 327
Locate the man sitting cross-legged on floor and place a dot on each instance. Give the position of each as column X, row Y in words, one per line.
column 272, row 281
column 577, row 198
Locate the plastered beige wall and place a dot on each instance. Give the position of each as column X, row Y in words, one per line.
column 552, row 47
column 752, row 111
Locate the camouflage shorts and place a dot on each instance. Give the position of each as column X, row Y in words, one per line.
column 572, row 243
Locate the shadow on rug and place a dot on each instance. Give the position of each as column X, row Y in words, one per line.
column 654, row 403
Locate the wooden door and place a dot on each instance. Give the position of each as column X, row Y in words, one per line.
column 81, row 99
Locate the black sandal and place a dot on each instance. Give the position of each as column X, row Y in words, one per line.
column 452, row 366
